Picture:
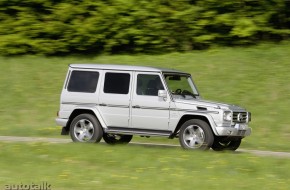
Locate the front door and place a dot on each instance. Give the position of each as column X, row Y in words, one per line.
column 148, row 110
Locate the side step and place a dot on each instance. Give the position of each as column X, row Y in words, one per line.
column 130, row 131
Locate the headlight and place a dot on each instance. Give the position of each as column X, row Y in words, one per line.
column 228, row 116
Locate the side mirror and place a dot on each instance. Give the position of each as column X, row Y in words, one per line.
column 162, row 94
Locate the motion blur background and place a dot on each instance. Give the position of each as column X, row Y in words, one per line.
column 237, row 52
column 54, row 27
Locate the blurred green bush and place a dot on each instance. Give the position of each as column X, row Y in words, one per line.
column 53, row 27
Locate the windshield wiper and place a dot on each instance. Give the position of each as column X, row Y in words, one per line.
column 186, row 92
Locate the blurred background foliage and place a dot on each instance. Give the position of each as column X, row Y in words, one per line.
column 56, row 27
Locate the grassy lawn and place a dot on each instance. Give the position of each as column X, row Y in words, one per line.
column 256, row 78
column 90, row 166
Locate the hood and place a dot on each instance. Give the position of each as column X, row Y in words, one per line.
column 208, row 103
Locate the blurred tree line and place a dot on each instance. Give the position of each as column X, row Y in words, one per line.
column 85, row 26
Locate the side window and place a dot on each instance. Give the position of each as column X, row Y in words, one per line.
column 117, row 83
column 83, row 81
column 148, row 85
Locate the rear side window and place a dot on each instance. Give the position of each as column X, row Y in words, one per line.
column 117, row 83
column 83, row 81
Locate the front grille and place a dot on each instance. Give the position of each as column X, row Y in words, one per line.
column 240, row 117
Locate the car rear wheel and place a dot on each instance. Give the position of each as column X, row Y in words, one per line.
column 86, row 128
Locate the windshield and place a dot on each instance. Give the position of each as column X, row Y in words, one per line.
column 181, row 86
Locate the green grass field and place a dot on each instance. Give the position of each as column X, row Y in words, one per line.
column 256, row 78
column 89, row 166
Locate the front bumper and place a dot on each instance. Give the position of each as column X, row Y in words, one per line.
column 61, row 121
column 238, row 130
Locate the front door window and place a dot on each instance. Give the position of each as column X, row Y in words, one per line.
column 148, row 85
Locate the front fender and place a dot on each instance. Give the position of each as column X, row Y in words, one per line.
column 199, row 115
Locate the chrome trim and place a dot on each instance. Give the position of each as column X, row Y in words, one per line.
column 113, row 105
column 79, row 103
column 194, row 111
column 141, row 107
column 101, row 104
column 136, row 131
column 150, row 108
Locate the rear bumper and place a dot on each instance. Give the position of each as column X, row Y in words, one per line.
column 239, row 130
column 61, row 121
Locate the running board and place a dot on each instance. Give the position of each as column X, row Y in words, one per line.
column 130, row 131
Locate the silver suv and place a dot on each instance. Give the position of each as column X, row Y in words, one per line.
column 115, row 102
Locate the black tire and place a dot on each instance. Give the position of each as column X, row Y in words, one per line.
column 113, row 139
column 86, row 128
column 196, row 134
column 220, row 145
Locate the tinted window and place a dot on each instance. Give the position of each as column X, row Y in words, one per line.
column 149, row 85
column 83, row 81
column 117, row 83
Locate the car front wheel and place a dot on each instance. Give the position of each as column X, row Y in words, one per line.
column 220, row 145
column 196, row 134
column 117, row 139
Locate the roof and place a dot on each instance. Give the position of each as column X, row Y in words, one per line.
column 125, row 68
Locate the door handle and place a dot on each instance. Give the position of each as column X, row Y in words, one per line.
column 136, row 106
column 103, row 104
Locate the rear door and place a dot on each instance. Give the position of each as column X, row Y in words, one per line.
column 114, row 98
